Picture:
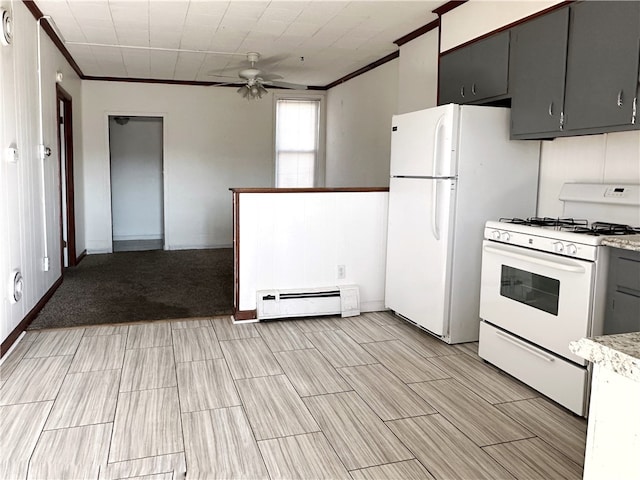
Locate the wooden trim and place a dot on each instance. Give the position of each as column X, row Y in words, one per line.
column 81, row 257
column 447, row 7
column 62, row 95
column 245, row 314
column 418, row 32
column 37, row 14
column 310, row 190
column 365, row 69
column 511, row 25
column 13, row 336
column 158, row 80
column 236, row 251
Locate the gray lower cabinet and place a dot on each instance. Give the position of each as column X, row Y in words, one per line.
column 602, row 65
column 537, row 66
column 476, row 72
column 623, row 292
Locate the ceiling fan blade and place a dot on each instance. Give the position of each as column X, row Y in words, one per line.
column 224, row 84
column 267, row 77
column 213, row 73
column 293, row 86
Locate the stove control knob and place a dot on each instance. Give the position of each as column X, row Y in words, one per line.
column 495, row 235
column 571, row 249
column 558, row 247
column 505, row 237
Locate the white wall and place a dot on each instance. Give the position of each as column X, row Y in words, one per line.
column 418, row 73
column 297, row 240
column 136, row 178
column 359, row 128
column 23, row 236
column 214, row 140
column 612, row 157
column 477, row 17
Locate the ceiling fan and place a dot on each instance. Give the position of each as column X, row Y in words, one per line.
column 254, row 80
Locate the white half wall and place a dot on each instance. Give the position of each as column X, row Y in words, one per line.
column 359, row 128
column 136, row 178
column 30, row 188
column 297, row 240
column 213, row 140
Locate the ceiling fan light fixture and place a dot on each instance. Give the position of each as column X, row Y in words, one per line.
column 244, row 91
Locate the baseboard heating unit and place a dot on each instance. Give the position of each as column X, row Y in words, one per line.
column 309, row 302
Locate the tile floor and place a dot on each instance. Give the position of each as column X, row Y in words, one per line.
column 368, row 397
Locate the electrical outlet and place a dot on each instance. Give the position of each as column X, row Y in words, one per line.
column 342, row 271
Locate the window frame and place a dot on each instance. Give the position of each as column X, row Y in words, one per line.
column 319, row 173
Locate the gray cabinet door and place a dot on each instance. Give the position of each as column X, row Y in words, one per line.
column 475, row 72
column 537, row 74
column 490, row 67
column 455, row 70
column 602, row 64
column 623, row 293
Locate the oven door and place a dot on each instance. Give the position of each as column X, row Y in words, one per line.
column 541, row 297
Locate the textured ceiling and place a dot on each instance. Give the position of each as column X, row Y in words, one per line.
column 306, row 42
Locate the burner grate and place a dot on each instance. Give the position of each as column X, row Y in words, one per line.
column 547, row 222
column 604, row 228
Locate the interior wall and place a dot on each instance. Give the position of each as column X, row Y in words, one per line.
column 29, row 188
column 213, row 140
column 418, row 73
column 473, row 19
column 606, row 158
column 359, row 128
column 136, row 178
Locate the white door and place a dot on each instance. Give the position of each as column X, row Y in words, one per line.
column 418, row 251
column 538, row 296
column 423, row 143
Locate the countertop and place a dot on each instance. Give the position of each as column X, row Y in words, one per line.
column 627, row 242
column 620, row 353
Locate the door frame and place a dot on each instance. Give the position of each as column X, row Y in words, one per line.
column 65, row 118
column 136, row 113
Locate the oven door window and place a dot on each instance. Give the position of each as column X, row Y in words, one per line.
column 532, row 289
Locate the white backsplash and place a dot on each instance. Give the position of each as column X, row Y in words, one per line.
column 611, row 157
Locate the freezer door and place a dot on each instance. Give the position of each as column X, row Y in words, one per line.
column 423, row 143
column 418, row 251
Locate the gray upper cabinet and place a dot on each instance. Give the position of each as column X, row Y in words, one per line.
column 602, row 65
column 476, row 72
column 538, row 61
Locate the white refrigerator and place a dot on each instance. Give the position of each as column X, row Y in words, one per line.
column 452, row 168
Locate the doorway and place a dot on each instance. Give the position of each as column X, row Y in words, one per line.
column 65, row 160
column 136, row 157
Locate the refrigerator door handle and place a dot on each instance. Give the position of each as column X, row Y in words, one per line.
column 436, row 146
column 434, row 211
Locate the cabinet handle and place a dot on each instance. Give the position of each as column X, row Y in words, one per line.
column 462, row 91
column 619, row 101
column 551, row 109
column 473, row 88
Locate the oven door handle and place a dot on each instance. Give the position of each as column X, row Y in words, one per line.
column 535, row 260
column 524, row 346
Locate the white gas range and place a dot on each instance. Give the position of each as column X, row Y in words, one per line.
column 543, row 285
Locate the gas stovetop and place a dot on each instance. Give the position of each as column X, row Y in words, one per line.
column 574, row 225
column 562, row 236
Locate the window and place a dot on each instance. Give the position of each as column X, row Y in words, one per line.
column 297, row 132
